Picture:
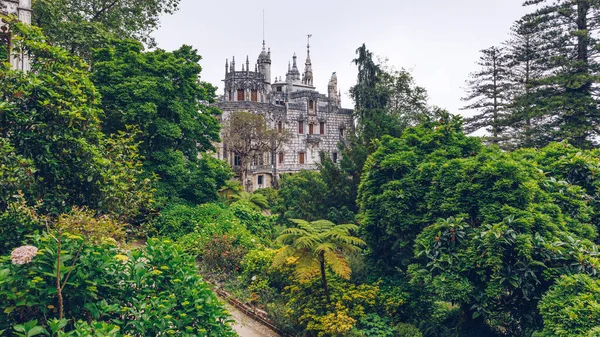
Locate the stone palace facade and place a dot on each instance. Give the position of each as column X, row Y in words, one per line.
column 316, row 122
column 22, row 10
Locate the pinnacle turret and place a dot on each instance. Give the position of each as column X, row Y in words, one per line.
column 307, row 77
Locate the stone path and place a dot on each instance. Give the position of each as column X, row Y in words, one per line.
column 247, row 327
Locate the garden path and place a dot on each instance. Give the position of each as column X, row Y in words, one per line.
column 247, row 327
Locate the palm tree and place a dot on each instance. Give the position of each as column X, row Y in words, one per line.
column 231, row 187
column 255, row 200
column 317, row 245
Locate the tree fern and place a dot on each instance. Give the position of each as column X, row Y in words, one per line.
column 318, row 245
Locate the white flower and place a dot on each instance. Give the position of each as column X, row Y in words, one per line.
column 254, row 278
column 23, row 254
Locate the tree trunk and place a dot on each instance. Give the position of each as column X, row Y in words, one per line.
column 583, row 43
column 495, row 128
column 323, row 276
column 274, row 162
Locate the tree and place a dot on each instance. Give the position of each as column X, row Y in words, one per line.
column 340, row 195
column 386, row 102
column 257, row 201
column 407, row 102
column 82, row 25
column 51, row 117
column 159, row 93
column 524, row 119
column 393, row 193
column 246, row 135
column 571, row 308
column 488, row 93
column 317, row 245
column 302, row 195
column 479, row 227
column 569, row 101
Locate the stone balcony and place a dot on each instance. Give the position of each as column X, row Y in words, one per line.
column 313, row 139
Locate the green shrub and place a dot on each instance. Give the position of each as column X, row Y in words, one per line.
column 146, row 292
column 95, row 228
column 571, row 307
column 407, row 330
column 255, row 221
column 178, row 220
column 16, row 222
column 375, row 325
column 270, row 193
column 257, row 264
column 222, row 256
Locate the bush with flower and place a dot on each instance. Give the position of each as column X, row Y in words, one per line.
column 107, row 291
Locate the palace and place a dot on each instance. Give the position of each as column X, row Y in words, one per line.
column 22, row 10
column 316, row 122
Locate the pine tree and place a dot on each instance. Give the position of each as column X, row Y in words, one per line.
column 569, row 97
column 488, row 93
column 524, row 120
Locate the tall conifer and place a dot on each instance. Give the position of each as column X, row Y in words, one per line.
column 488, row 93
column 569, row 29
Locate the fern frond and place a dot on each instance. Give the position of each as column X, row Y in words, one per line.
column 307, row 268
column 306, row 242
column 338, row 264
column 325, row 247
column 322, row 225
column 281, row 257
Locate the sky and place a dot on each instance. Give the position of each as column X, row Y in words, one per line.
column 437, row 40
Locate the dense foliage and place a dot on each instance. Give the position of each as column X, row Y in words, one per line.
column 76, row 185
column 149, row 291
column 571, row 308
column 461, row 239
column 159, row 93
column 79, row 26
column 491, row 231
column 51, row 118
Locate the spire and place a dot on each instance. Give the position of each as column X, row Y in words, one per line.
column 226, row 66
column 308, row 48
column 232, row 64
column 295, row 65
column 247, row 63
column 295, row 73
column 307, row 77
column 333, row 92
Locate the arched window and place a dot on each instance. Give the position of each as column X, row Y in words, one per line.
column 280, row 127
column 240, row 95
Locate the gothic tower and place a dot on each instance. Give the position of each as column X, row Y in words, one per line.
column 332, row 90
column 264, row 63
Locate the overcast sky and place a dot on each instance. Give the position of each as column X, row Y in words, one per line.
column 437, row 40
